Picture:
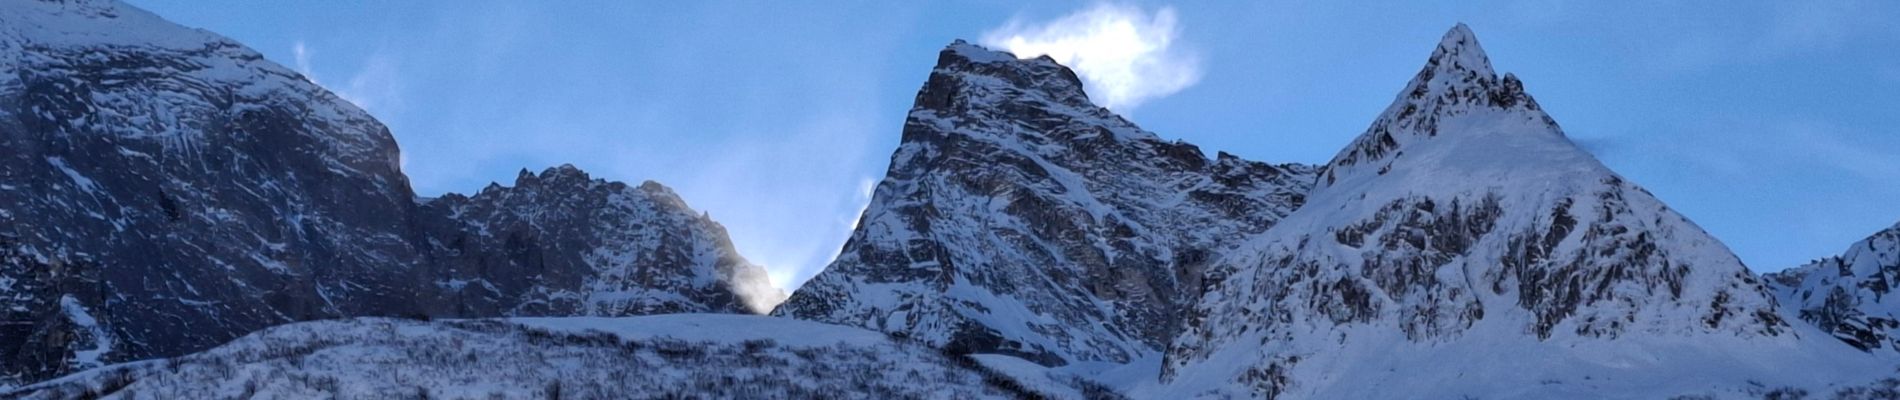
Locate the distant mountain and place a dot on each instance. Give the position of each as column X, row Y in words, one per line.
column 1850, row 296
column 1019, row 218
column 1463, row 247
column 165, row 189
column 671, row 356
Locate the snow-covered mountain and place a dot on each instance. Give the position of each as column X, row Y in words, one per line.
column 1019, row 218
column 1849, row 295
column 1464, row 247
column 669, row 356
column 165, row 189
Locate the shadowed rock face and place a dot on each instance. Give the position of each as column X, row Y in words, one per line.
column 1018, row 218
column 561, row 243
column 1851, row 295
column 164, row 189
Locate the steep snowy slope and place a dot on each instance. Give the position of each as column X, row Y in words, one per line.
column 1019, row 218
column 670, row 356
column 164, row 189
column 1849, row 295
column 1462, row 246
column 561, row 243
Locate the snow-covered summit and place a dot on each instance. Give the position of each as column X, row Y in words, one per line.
column 1462, row 246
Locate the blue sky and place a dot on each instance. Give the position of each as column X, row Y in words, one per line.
column 1771, row 124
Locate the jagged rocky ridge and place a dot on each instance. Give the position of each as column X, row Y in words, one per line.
column 1851, row 295
column 1019, row 218
column 165, row 189
column 562, row 243
column 1464, row 247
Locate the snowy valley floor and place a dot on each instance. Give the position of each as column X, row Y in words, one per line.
column 666, row 356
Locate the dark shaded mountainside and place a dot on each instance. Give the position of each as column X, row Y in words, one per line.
column 165, row 189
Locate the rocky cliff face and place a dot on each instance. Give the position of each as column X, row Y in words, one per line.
column 561, row 243
column 1018, row 218
column 1462, row 246
column 171, row 187
column 165, row 189
column 1849, row 296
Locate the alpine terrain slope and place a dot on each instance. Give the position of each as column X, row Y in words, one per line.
column 665, row 356
column 1017, row 218
column 1851, row 295
column 165, row 189
column 1463, row 247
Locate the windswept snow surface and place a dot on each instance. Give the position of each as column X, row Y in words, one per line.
column 666, row 356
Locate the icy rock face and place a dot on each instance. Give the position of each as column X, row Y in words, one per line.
column 164, row 189
column 561, row 243
column 1461, row 218
column 668, row 356
column 1018, row 218
column 1851, row 295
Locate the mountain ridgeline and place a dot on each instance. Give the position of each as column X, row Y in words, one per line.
column 165, row 190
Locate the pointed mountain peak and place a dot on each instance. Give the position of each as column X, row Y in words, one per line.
column 1458, row 66
column 962, row 52
column 969, row 75
column 1459, row 51
column 1456, row 81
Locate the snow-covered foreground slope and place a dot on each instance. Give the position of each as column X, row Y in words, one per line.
column 666, row 356
column 1463, row 247
column 164, row 189
column 1850, row 296
column 1019, row 218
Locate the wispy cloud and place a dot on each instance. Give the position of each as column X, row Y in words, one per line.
column 1125, row 55
column 302, row 55
column 375, row 86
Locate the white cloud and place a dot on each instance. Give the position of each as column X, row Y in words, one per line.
column 302, row 56
column 374, row 87
column 1125, row 55
column 865, row 187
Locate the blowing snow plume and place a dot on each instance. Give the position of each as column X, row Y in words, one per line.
column 1125, row 55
